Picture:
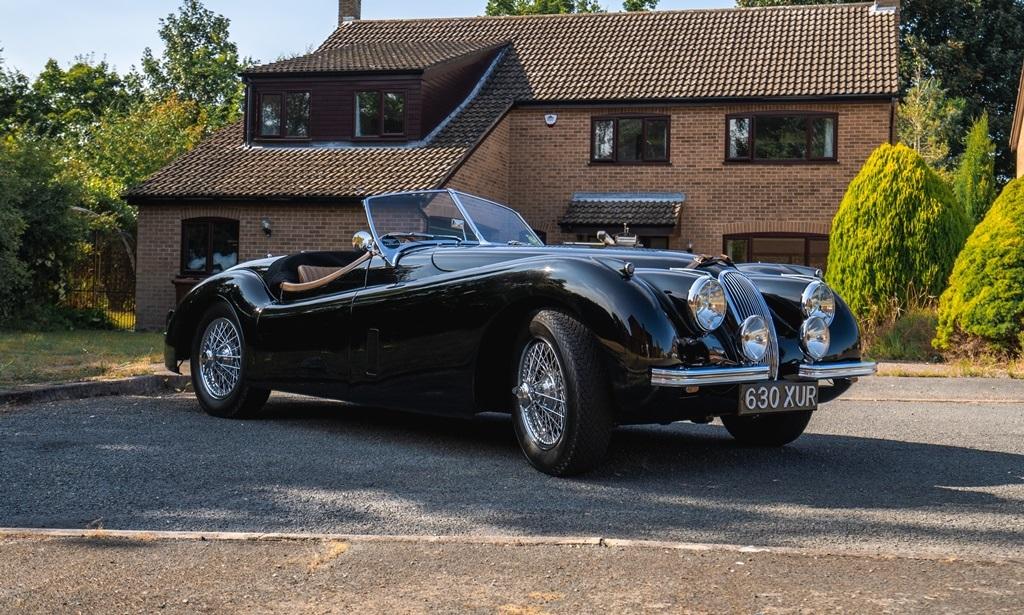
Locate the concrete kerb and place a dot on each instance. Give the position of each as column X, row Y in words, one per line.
column 139, row 385
column 469, row 540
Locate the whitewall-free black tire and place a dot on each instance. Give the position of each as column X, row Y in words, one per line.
column 217, row 367
column 562, row 411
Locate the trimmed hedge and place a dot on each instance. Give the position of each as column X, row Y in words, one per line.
column 985, row 298
column 896, row 235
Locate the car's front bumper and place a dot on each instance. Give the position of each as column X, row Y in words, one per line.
column 170, row 360
column 703, row 376
column 706, row 376
column 849, row 369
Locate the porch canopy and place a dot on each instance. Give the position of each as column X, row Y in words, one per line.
column 645, row 213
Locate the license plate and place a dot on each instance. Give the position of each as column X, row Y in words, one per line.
column 778, row 397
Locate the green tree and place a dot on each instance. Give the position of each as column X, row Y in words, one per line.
column 15, row 92
column 39, row 238
column 976, row 47
column 928, row 120
column 974, row 180
column 985, row 298
column 199, row 62
column 896, row 234
column 541, row 7
column 639, row 5
column 125, row 148
column 63, row 102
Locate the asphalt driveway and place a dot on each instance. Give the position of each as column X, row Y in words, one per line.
column 942, row 473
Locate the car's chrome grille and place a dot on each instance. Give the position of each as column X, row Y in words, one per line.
column 746, row 301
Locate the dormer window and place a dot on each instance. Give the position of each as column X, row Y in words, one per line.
column 284, row 115
column 380, row 114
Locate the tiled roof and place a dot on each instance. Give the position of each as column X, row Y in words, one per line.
column 375, row 56
column 614, row 210
column 825, row 50
column 802, row 51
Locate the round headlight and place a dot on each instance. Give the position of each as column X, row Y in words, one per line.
column 818, row 300
column 707, row 303
column 814, row 337
column 754, row 338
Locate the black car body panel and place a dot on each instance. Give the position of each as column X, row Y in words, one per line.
column 434, row 330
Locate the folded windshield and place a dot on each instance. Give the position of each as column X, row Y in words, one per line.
column 443, row 216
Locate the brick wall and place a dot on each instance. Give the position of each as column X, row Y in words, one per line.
column 1020, row 155
column 545, row 165
column 536, row 168
column 295, row 228
column 485, row 172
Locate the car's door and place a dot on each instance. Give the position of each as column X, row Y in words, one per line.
column 407, row 349
column 304, row 340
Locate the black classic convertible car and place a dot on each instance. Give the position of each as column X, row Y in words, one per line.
column 450, row 304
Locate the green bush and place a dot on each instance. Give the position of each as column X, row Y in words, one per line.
column 51, row 317
column 985, row 298
column 896, row 235
column 39, row 236
column 974, row 181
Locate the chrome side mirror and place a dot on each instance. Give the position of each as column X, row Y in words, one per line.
column 363, row 241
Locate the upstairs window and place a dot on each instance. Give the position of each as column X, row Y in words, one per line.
column 284, row 115
column 270, row 115
column 629, row 140
column 297, row 116
column 208, row 245
column 380, row 114
column 775, row 137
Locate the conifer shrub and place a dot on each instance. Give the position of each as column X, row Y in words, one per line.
column 896, row 235
column 985, row 299
column 974, row 182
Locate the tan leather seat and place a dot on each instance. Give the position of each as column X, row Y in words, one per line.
column 311, row 278
column 309, row 273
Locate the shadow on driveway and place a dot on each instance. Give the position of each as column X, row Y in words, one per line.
column 310, row 465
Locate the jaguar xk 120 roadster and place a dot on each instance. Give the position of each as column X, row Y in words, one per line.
column 450, row 304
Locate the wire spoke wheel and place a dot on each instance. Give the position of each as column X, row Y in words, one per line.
column 541, row 394
column 220, row 358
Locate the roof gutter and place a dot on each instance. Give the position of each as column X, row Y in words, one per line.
column 621, row 102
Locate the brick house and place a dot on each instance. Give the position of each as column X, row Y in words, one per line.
column 1016, row 133
column 729, row 130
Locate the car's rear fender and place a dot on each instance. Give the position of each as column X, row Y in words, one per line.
column 241, row 289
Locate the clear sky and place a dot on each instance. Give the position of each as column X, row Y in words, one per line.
column 31, row 31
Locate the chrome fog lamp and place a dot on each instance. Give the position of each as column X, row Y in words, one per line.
column 754, row 338
column 707, row 303
column 814, row 337
column 818, row 300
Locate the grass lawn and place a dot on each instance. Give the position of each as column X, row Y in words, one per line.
column 65, row 356
column 909, row 339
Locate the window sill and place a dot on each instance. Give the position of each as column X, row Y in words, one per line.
column 382, row 139
column 822, row 162
column 658, row 163
column 282, row 140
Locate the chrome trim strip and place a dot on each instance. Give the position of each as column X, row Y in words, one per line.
column 745, row 300
column 837, row 370
column 698, row 376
